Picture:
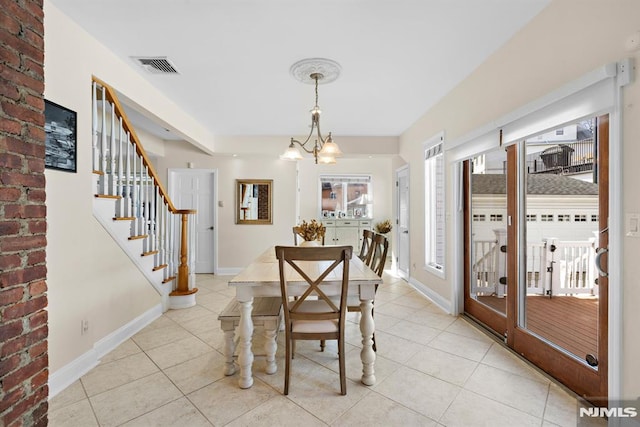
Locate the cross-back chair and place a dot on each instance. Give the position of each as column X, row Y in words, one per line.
column 379, row 255
column 379, row 249
column 315, row 319
column 366, row 250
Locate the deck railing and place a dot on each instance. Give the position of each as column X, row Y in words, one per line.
column 553, row 267
column 126, row 174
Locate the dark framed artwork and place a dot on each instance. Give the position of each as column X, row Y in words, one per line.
column 60, row 126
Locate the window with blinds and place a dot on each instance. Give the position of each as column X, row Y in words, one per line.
column 346, row 196
column 434, row 184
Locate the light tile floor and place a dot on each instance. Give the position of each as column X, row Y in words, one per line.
column 432, row 369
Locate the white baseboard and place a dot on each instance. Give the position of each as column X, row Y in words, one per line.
column 70, row 373
column 228, row 271
column 120, row 335
column 435, row 297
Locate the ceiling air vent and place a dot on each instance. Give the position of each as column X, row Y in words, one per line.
column 156, row 65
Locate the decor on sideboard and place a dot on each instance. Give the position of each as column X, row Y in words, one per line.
column 311, row 231
column 383, row 227
column 60, row 126
column 314, row 71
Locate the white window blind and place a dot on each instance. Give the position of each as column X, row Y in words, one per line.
column 434, row 203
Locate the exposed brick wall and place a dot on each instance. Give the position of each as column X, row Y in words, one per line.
column 24, row 360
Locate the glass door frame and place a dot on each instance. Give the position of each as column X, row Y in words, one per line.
column 584, row 380
column 587, row 382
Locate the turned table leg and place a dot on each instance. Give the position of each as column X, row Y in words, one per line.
column 245, row 332
column 271, row 346
column 229, row 349
column 367, row 355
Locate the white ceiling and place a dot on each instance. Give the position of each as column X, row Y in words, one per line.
column 398, row 57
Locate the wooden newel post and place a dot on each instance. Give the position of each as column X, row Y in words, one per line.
column 183, row 268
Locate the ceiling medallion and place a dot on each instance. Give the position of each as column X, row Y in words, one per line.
column 304, row 69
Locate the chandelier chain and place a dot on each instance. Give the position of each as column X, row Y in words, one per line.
column 323, row 150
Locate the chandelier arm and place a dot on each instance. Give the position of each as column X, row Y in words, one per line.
column 302, row 144
column 322, row 141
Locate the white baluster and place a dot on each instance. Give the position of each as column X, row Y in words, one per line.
column 163, row 230
column 144, row 198
column 94, row 140
column 103, row 145
column 120, row 175
column 159, row 231
column 192, row 252
column 128, row 208
column 112, row 153
column 142, row 228
column 172, row 238
column 135, row 192
column 152, row 213
column 167, row 240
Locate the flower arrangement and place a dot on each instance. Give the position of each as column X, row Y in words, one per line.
column 384, row 226
column 313, row 230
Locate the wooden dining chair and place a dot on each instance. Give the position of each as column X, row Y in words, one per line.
column 379, row 256
column 366, row 250
column 378, row 261
column 319, row 318
column 380, row 248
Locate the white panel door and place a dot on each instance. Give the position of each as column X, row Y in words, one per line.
column 194, row 189
column 402, row 181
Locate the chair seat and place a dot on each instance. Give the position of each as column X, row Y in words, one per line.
column 314, row 326
column 310, row 306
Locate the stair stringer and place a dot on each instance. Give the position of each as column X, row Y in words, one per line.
column 103, row 211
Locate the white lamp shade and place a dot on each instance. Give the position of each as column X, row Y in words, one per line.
column 292, row 154
column 330, row 148
column 326, row 159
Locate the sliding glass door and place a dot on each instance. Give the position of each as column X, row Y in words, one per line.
column 536, row 236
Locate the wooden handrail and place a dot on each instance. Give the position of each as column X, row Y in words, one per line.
column 111, row 96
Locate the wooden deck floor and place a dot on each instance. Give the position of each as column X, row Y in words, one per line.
column 567, row 321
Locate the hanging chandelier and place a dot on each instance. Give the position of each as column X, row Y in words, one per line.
column 324, row 150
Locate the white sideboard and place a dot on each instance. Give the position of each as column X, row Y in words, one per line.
column 346, row 232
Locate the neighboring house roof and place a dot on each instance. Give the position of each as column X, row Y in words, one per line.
column 555, row 185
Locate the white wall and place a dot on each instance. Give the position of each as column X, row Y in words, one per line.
column 242, row 243
column 565, row 41
column 89, row 277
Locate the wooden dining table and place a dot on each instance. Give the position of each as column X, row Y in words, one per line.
column 261, row 278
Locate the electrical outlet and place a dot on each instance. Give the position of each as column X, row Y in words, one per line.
column 84, row 326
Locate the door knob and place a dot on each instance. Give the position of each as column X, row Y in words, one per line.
column 211, row 228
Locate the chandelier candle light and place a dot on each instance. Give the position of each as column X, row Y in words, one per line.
column 324, row 150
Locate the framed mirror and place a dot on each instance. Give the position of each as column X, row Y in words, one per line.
column 253, row 201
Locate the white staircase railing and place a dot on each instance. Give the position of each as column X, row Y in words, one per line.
column 126, row 176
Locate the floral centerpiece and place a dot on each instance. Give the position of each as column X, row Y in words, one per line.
column 311, row 231
column 383, row 227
